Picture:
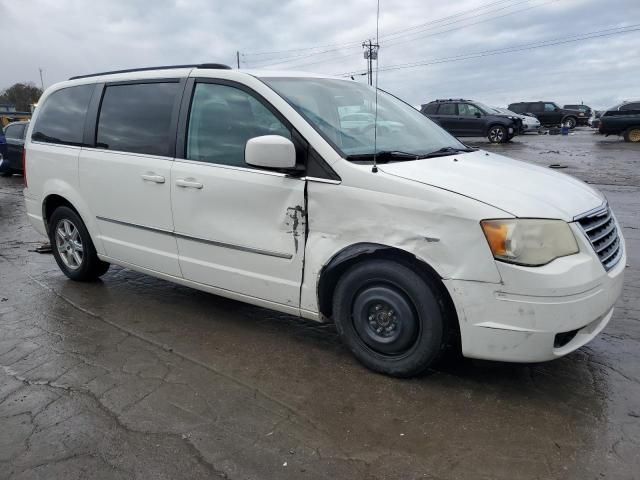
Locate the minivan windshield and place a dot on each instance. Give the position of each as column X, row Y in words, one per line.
column 343, row 112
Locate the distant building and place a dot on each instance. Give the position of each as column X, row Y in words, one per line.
column 7, row 108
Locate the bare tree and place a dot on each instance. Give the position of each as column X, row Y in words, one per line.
column 22, row 95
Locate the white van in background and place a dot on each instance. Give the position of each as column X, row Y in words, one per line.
column 245, row 184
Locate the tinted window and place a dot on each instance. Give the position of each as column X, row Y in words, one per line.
column 61, row 118
column 518, row 107
column 222, row 119
column 137, row 118
column 468, row 110
column 15, row 131
column 630, row 106
column 430, row 108
column 535, row 108
column 447, row 109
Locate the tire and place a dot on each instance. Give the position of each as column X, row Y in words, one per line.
column 632, row 134
column 497, row 134
column 391, row 319
column 72, row 247
column 570, row 121
column 6, row 174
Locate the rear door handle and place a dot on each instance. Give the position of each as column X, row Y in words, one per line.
column 152, row 177
column 188, row 183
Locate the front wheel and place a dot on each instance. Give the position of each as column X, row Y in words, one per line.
column 497, row 134
column 72, row 247
column 390, row 318
column 632, row 135
column 570, row 122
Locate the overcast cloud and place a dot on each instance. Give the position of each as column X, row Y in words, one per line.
column 72, row 37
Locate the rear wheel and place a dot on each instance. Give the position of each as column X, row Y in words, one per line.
column 497, row 134
column 632, row 135
column 390, row 318
column 72, row 247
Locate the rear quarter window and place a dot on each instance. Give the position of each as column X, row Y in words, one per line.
column 61, row 118
column 430, row 108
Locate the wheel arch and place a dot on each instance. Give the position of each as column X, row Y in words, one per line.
column 51, row 202
column 361, row 252
column 495, row 123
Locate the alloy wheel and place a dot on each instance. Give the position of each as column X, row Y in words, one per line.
column 69, row 244
column 496, row 134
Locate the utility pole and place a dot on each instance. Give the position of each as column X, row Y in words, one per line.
column 370, row 54
column 238, row 57
column 41, row 81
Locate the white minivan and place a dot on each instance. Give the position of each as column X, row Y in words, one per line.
column 253, row 186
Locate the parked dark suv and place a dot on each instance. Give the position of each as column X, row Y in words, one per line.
column 467, row 118
column 584, row 113
column 623, row 119
column 14, row 136
column 549, row 113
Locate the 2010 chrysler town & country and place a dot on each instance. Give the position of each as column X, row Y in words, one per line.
column 248, row 185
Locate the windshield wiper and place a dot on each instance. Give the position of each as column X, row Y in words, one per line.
column 444, row 151
column 384, row 155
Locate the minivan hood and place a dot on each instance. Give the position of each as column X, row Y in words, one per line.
column 516, row 187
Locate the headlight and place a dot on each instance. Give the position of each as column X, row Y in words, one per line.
column 530, row 242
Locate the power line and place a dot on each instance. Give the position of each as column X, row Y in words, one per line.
column 423, row 35
column 518, row 48
column 427, row 25
column 334, row 58
column 338, row 46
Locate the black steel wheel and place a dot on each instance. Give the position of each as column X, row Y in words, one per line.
column 72, row 247
column 390, row 317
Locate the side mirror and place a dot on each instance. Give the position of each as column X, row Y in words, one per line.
column 270, row 151
column 478, row 115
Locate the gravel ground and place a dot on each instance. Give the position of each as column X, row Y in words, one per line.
column 134, row 377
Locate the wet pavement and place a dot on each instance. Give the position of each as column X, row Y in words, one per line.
column 134, row 377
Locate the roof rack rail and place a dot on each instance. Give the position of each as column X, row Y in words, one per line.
column 219, row 66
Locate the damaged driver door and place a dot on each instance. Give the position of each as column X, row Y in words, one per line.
column 239, row 228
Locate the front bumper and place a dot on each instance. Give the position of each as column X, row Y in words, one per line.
column 537, row 314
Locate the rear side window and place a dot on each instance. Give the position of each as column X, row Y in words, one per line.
column 447, row 109
column 535, row 108
column 222, row 119
column 518, row 107
column 430, row 108
column 630, row 107
column 61, row 119
column 136, row 118
column 15, row 132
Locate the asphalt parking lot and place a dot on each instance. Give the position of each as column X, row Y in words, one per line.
column 134, row 377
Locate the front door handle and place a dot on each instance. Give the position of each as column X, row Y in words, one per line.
column 188, row 183
column 152, row 177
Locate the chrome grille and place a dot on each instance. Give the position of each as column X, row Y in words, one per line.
column 601, row 230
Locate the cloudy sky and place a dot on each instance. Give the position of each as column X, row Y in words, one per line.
column 480, row 49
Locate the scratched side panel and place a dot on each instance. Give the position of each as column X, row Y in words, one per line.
column 242, row 231
column 437, row 226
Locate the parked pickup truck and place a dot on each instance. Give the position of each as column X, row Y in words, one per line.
column 623, row 119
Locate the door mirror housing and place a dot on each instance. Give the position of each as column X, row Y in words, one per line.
column 478, row 115
column 270, row 151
